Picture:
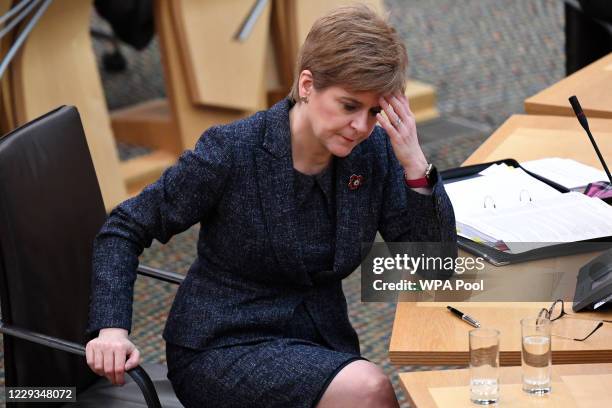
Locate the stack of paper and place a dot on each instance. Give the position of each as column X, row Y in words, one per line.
column 506, row 208
column 566, row 172
column 498, row 187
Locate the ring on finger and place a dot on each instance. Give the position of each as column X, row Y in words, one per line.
column 398, row 122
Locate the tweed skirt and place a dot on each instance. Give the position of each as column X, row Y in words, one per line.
column 289, row 371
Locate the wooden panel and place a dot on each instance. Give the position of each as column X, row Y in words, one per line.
column 422, row 99
column 143, row 170
column 190, row 120
column 421, row 387
column 457, row 396
column 592, row 86
column 147, row 124
column 528, row 137
column 284, row 42
column 221, row 71
column 308, row 11
column 56, row 66
column 7, row 114
column 590, row 390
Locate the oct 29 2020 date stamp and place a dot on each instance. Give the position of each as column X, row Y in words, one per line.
column 40, row 394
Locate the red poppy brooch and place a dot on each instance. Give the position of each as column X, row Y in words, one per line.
column 355, row 182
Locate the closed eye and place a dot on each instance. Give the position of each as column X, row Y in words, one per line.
column 352, row 107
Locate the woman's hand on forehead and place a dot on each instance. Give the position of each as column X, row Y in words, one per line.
column 400, row 124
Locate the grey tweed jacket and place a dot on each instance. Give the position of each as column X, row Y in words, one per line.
column 248, row 276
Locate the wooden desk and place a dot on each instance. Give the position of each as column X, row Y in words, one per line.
column 591, row 85
column 586, row 385
column 426, row 334
column 530, row 137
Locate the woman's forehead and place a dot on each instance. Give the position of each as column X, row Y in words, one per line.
column 361, row 97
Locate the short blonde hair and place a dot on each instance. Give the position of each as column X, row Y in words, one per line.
column 353, row 47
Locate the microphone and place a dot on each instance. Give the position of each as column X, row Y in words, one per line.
column 585, row 124
column 579, row 113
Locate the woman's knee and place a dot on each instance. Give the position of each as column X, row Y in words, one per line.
column 376, row 390
column 359, row 384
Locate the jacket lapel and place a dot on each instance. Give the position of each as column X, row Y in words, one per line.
column 275, row 182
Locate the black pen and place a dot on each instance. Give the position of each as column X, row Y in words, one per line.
column 463, row 316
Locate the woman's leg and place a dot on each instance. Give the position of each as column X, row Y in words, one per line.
column 359, row 384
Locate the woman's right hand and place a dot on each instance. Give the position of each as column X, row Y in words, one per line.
column 107, row 354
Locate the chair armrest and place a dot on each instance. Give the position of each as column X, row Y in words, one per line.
column 171, row 277
column 138, row 374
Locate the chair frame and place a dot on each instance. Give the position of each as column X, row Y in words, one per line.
column 138, row 374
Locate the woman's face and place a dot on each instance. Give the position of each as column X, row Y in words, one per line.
column 341, row 119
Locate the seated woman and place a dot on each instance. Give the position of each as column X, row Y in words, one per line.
column 285, row 198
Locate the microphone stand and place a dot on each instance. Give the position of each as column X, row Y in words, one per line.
column 600, row 189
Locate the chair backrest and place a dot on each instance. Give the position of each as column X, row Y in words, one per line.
column 50, row 211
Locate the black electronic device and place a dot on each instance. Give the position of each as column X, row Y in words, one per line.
column 594, row 284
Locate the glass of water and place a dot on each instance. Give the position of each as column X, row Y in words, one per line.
column 536, row 355
column 484, row 366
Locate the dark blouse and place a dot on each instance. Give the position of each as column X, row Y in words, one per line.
column 316, row 221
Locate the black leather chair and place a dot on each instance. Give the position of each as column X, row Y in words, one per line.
column 588, row 32
column 50, row 210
